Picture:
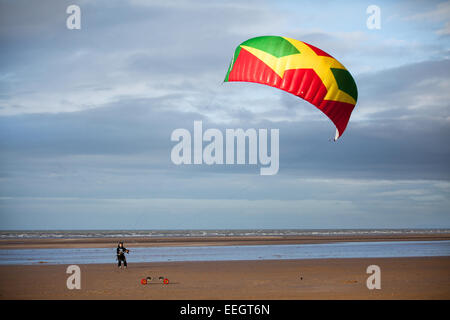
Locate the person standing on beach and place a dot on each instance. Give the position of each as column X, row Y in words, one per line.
column 121, row 255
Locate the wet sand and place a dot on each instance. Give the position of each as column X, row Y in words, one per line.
column 207, row 241
column 401, row 278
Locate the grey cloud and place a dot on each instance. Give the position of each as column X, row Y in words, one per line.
column 141, row 128
column 120, row 147
column 160, row 45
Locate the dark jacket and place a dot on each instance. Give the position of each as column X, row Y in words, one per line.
column 121, row 251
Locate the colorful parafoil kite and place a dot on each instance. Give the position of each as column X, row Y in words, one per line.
column 298, row 68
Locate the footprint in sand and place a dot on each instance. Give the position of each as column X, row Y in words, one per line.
column 351, row 281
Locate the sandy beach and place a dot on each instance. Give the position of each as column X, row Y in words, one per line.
column 401, row 278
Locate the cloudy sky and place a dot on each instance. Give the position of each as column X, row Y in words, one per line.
column 86, row 116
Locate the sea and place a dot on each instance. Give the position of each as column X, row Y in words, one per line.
column 364, row 249
column 118, row 234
